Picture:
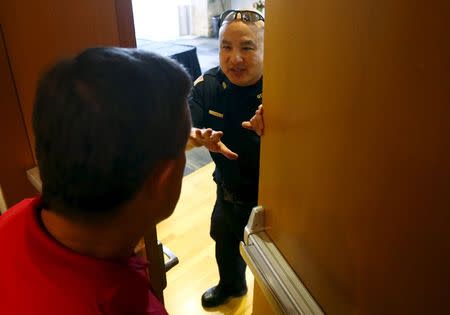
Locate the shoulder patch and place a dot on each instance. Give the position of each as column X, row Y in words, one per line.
column 199, row 79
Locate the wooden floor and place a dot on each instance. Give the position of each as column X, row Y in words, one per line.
column 186, row 233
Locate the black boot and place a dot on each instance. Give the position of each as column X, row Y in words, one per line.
column 218, row 295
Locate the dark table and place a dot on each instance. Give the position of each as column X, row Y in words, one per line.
column 184, row 54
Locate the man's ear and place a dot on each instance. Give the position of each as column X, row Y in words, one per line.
column 161, row 176
column 162, row 189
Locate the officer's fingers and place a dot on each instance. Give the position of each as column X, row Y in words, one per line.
column 207, row 133
column 218, row 133
column 255, row 123
column 227, row 152
column 203, row 137
column 215, row 137
column 247, row 125
column 259, row 113
column 201, row 133
column 212, row 147
column 259, row 121
column 212, row 136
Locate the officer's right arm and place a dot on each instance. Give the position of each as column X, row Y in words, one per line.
column 200, row 136
column 197, row 107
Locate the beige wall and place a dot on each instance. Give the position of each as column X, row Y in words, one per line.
column 242, row 4
column 199, row 17
column 215, row 8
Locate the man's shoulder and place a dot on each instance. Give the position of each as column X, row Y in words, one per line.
column 17, row 213
column 209, row 78
column 14, row 226
column 14, row 276
column 213, row 72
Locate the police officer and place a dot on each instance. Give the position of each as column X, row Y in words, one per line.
column 227, row 113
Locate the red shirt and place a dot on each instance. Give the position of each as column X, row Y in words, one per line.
column 40, row 276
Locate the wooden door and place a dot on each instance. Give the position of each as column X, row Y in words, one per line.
column 355, row 167
column 38, row 33
column 34, row 35
column 15, row 151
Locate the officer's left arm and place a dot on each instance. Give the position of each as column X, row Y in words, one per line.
column 256, row 123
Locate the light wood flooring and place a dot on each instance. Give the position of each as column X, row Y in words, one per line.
column 186, row 233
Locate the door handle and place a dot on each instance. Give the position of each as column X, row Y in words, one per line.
column 278, row 281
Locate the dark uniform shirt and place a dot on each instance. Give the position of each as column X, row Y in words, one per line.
column 218, row 104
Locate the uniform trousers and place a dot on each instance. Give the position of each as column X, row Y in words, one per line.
column 228, row 220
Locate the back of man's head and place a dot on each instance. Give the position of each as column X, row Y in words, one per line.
column 102, row 121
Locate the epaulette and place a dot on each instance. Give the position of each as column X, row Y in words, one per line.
column 199, row 79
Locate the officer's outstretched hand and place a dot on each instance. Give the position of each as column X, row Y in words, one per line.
column 211, row 140
column 256, row 123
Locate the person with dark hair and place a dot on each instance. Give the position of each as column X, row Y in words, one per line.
column 111, row 127
column 227, row 113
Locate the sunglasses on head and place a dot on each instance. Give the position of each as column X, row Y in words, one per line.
column 244, row 15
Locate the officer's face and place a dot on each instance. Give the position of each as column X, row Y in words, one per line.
column 241, row 52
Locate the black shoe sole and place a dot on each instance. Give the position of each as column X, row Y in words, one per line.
column 235, row 295
column 239, row 294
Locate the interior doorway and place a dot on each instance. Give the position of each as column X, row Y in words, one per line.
column 172, row 26
column 179, row 22
column 165, row 26
column 162, row 20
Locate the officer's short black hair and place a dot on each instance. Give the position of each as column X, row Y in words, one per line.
column 102, row 120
